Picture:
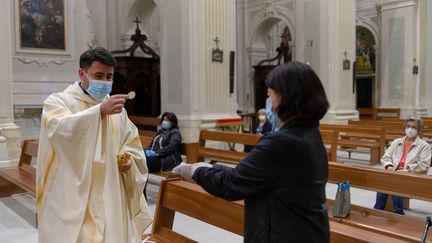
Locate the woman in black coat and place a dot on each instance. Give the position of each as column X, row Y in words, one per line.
column 282, row 180
column 164, row 151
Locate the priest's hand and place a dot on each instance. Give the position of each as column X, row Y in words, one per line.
column 123, row 168
column 113, row 105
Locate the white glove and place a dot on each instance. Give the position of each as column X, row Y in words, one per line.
column 187, row 170
column 184, row 170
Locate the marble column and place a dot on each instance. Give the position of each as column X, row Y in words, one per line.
column 400, row 42
column 193, row 86
column 325, row 35
column 9, row 132
column 428, row 58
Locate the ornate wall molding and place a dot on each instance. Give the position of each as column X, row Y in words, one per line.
column 41, row 61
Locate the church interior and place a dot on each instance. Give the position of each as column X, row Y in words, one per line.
column 207, row 61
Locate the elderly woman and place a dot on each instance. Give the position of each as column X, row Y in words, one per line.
column 283, row 179
column 409, row 153
column 263, row 128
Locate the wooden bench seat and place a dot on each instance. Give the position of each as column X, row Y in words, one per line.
column 403, row 227
column 353, row 137
column 190, row 199
column 415, row 186
column 23, row 176
column 378, row 113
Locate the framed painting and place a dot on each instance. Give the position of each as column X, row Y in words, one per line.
column 41, row 27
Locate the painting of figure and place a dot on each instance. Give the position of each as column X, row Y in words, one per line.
column 42, row 24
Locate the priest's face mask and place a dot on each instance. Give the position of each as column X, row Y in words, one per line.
column 97, row 71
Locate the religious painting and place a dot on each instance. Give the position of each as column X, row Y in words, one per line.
column 365, row 52
column 41, row 26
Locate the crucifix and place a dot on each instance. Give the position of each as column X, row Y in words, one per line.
column 216, row 40
column 137, row 21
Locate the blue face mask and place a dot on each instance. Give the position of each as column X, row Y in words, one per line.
column 166, row 124
column 272, row 116
column 98, row 89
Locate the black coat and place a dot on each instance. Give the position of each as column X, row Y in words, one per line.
column 282, row 181
column 170, row 151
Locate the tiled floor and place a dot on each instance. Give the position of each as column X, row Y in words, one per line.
column 17, row 214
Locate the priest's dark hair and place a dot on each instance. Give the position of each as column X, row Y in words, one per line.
column 301, row 91
column 171, row 117
column 99, row 54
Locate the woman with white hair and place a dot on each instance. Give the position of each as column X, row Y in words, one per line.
column 410, row 154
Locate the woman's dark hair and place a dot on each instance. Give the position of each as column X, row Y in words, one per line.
column 171, row 117
column 99, row 54
column 301, row 91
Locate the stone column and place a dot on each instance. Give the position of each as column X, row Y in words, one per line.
column 9, row 132
column 325, row 35
column 427, row 29
column 401, row 88
column 193, row 86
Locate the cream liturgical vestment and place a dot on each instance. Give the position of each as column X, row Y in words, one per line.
column 81, row 196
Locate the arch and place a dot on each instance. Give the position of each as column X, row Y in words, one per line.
column 263, row 22
column 144, row 9
column 371, row 27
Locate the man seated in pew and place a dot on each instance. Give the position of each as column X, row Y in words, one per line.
column 283, row 179
column 264, row 127
column 164, row 151
column 91, row 167
column 410, row 154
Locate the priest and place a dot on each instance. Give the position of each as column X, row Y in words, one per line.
column 84, row 193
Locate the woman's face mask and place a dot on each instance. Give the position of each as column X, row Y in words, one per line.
column 272, row 116
column 98, row 89
column 410, row 132
column 166, row 124
column 262, row 118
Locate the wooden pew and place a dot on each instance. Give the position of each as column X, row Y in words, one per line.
column 330, row 139
column 371, row 138
column 378, row 113
column 190, row 199
column 232, row 157
column 147, row 128
column 23, row 176
column 414, row 186
column 393, row 128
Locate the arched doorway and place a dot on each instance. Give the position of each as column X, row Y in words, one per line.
column 365, row 68
column 264, row 42
column 139, row 70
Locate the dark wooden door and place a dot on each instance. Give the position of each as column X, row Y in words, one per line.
column 141, row 75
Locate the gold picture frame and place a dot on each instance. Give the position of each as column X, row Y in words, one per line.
column 42, row 27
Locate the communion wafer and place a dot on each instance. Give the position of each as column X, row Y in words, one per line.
column 131, row 95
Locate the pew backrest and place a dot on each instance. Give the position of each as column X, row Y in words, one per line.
column 217, row 154
column 177, row 196
column 330, row 139
column 410, row 185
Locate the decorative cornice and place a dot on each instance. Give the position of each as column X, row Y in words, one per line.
column 42, row 62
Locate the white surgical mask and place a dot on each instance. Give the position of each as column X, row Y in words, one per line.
column 98, row 89
column 410, row 132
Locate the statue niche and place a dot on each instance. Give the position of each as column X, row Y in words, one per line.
column 261, row 70
column 139, row 74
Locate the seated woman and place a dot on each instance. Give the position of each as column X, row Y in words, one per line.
column 164, row 151
column 263, row 127
column 410, row 154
